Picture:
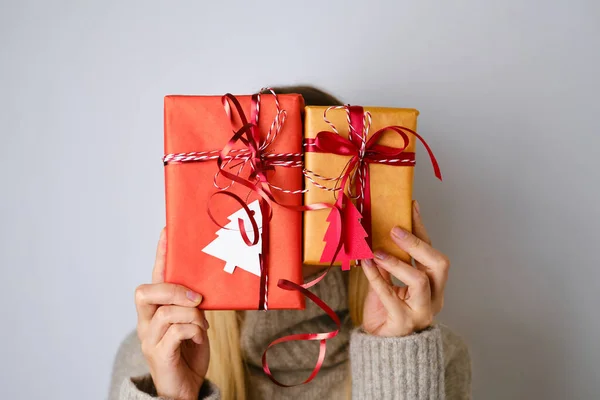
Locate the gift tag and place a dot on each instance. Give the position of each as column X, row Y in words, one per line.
column 229, row 245
column 352, row 234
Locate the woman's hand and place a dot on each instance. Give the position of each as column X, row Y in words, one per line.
column 399, row 311
column 172, row 331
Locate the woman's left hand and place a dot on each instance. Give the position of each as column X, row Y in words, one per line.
column 391, row 310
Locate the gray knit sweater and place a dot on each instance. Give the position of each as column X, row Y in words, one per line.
column 433, row 364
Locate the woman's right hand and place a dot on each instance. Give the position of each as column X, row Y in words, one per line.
column 172, row 331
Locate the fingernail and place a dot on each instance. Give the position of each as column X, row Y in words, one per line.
column 193, row 296
column 380, row 254
column 417, row 209
column 204, row 324
column 367, row 262
column 399, row 232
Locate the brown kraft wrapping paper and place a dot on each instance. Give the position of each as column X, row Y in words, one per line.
column 391, row 186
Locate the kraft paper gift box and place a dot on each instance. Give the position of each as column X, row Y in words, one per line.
column 390, row 185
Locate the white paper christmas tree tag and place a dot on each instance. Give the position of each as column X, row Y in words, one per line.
column 230, row 247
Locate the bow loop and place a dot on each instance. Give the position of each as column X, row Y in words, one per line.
column 375, row 149
column 330, row 142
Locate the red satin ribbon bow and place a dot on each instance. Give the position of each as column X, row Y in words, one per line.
column 364, row 152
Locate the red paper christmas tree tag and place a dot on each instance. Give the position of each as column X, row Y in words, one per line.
column 353, row 246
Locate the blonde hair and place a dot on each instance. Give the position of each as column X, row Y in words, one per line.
column 227, row 368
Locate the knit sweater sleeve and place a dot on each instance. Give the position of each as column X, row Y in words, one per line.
column 433, row 364
column 131, row 380
column 142, row 388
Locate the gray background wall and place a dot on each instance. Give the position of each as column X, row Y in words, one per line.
column 508, row 92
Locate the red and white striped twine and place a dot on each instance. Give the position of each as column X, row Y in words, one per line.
column 278, row 121
column 266, row 290
column 310, row 174
column 333, row 128
column 197, row 156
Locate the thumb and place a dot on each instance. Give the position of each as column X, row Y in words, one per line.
column 158, row 273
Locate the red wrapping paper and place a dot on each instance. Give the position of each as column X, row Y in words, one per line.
column 199, row 123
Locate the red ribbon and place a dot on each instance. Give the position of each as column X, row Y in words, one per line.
column 361, row 158
column 321, row 337
column 249, row 135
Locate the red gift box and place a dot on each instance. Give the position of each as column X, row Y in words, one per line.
column 209, row 254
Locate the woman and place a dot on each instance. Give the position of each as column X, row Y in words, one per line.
column 388, row 347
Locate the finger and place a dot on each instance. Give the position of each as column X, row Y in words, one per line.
column 430, row 258
column 416, row 246
column 381, row 287
column 158, row 272
column 165, row 316
column 178, row 333
column 418, row 226
column 149, row 297
column 418, row 292
column 438, row 272
column 385, row 274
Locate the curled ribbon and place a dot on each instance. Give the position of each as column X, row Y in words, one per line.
column 364, row 152
column 259, row 170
